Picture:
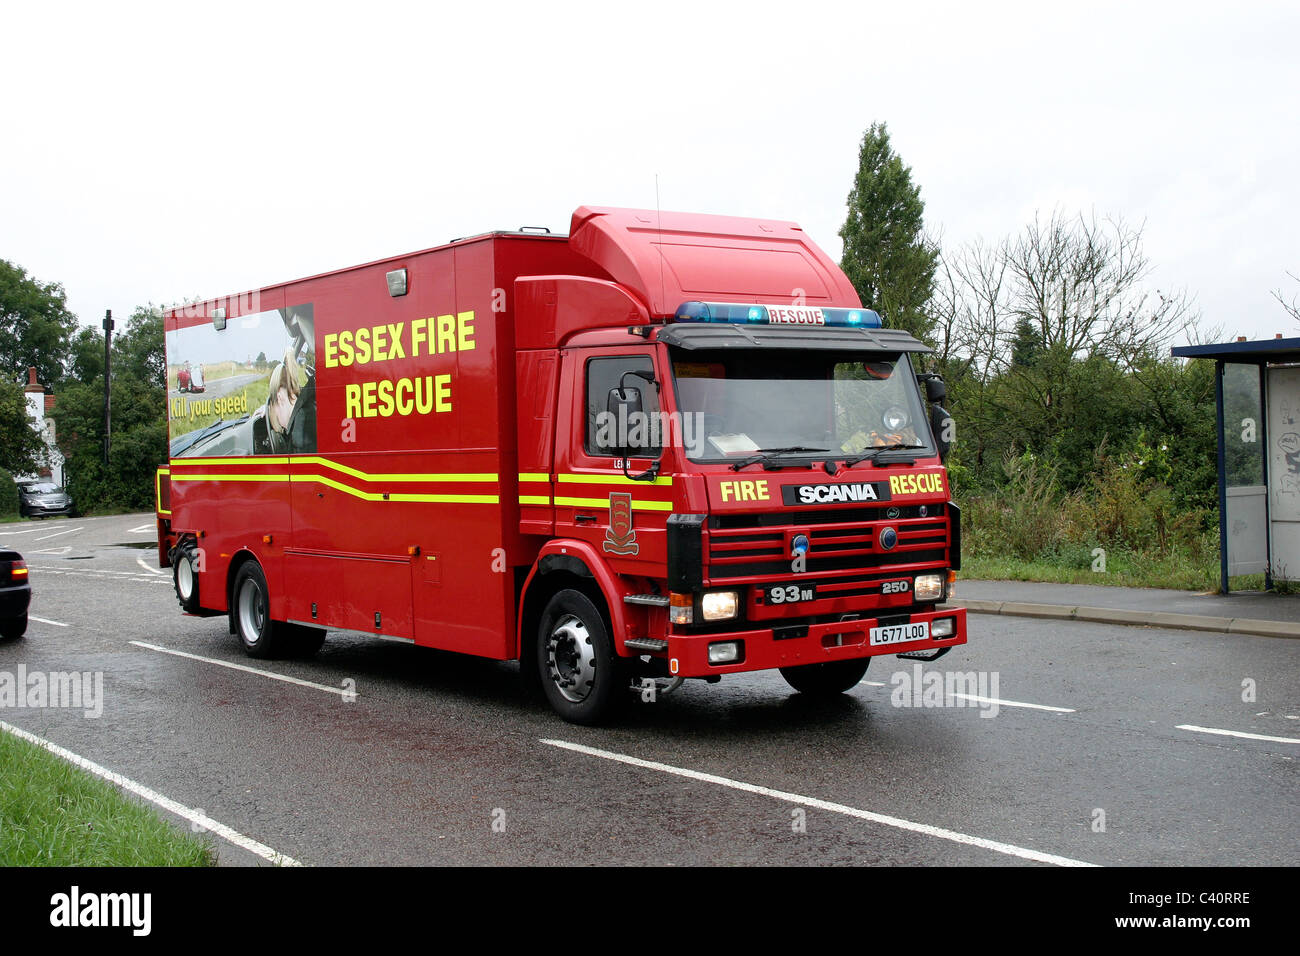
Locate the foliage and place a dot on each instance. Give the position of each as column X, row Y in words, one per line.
column 8, row 495
column 886, row 254
column 35, row 326
column 139, row 424
column 22, row 448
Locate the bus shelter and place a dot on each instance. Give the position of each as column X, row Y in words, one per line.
column 1257, row 394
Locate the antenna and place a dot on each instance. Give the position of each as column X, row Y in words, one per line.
column 659, row 225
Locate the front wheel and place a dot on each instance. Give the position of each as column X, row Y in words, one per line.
column 582, row 676
column 824, row 680
column 257, row 632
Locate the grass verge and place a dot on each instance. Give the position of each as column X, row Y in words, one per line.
column 1122, row 570
column 55, row 814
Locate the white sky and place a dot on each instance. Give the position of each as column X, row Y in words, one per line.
column 158, row 152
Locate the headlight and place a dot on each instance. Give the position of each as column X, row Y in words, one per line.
column 894, row 418
column 719, row 605
column 927, row 587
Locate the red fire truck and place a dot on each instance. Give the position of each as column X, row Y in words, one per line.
column 664, row 446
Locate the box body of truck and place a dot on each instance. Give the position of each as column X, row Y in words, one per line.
column 435, row 448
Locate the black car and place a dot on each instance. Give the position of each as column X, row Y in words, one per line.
column 15, row 595
column 36, row 499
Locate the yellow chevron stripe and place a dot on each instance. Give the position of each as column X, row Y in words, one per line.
column 396, row 496
column 355, row 492
column 604, row 503
column 662, row 482
column 345, row 469
column 268, row 478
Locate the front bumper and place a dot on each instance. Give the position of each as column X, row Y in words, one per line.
column 33, row 510
column 764, row 649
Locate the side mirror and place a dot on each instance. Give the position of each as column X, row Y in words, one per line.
column 627, row 410
column 935, row 390
column 942, row 425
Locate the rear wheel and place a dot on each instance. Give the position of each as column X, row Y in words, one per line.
column 14, row 628
column 185, row 576
column 582, row 676
column 260, row 636
column 825, row 680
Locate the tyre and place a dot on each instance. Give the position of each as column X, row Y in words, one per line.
column 582, row 677
column 825, row 680
column 260, row 636
column 185, row 577
column 14, row 628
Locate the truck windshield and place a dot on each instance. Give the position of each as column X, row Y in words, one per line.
column 740, row 403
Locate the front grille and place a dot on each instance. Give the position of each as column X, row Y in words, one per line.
column 858, row 516
column 842, row 546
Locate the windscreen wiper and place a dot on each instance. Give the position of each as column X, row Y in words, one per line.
column 850, row 462
column 765, row 455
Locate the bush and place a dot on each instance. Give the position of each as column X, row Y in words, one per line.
column 8, row 495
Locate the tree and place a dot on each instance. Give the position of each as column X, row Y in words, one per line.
column 86, row 355
column 886, row 254
column 139, row 395
column 1292, row 307
column 1056, row 336
column 22, row 447
column 35, row 326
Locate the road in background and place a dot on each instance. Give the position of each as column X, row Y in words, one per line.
column 1074, row 749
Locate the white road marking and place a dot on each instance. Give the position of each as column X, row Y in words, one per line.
column 1013, row 703
column 56, row 534
column 140, row 561
column 153, row 796
column 1238, row 733
column 143, row 529
column 251, row 670
column 44, row 621
column 873, row 683
column 24, row 531
column 925, row 828
column 65, row 549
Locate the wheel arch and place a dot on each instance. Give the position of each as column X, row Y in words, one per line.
column 574, row 565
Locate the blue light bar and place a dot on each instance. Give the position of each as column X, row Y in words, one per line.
column 793, row 315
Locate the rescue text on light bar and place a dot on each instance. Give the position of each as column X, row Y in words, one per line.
column 745, row 314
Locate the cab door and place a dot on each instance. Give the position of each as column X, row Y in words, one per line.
column 595, row 500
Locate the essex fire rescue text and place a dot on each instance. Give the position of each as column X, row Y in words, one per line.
column 391, row 341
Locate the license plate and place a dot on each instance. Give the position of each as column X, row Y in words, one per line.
column 899, row 633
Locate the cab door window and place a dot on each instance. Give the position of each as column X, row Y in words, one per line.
column 610, row 429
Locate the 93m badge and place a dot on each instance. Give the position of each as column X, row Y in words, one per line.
column 789, row 594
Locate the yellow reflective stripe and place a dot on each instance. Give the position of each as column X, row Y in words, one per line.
column 467, row 477
column 662, row 482
column 397, row 496
column 230, row 477
column 534, row 500
column 604, row 503
column 533, row 476
column 247, row 460
column 157, row 490
column 355, row 492
column 345, row 469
